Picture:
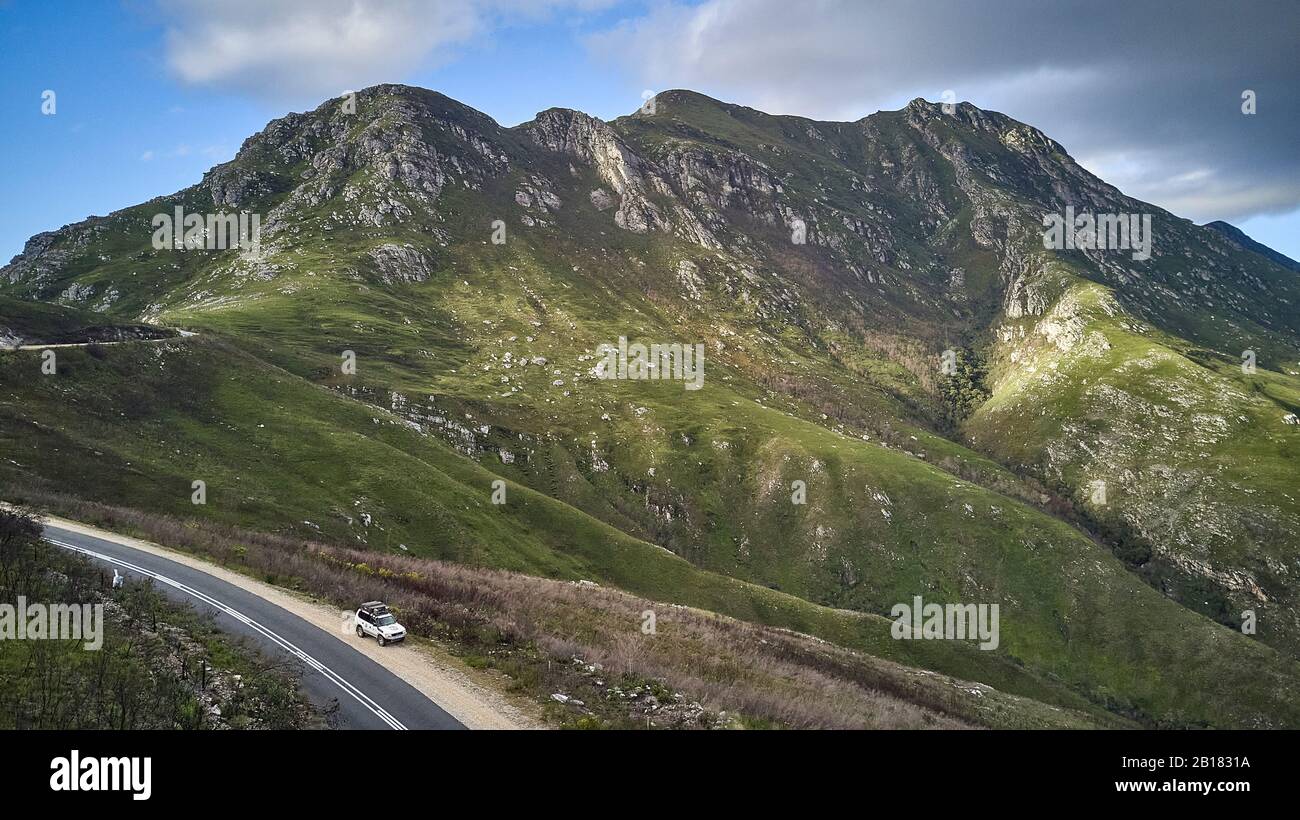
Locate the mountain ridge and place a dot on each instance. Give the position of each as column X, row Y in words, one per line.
column 922, row 232
column 1239, row 236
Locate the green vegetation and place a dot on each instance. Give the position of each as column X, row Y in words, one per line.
column 553, row 637
column 158, row 665
column 965, row 389
column 1212, row 486
column 474, row 364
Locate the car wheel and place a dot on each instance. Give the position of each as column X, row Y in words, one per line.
column 381, row 640
column 361, row 633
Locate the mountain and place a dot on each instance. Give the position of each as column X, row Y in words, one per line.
column 1102, row 444
column 1240, row 238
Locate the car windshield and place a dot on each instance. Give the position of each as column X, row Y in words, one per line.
column 385, row 620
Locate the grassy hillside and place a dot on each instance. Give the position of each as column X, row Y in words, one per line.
column 474, row 362
column 1203, row 504
column 282, row 454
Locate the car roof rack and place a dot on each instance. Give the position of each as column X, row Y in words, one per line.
column 372, row 604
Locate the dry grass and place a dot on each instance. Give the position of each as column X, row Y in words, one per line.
column 768, row 676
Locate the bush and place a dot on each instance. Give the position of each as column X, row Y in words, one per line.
column 966, row 389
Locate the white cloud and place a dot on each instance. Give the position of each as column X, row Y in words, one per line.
column 1161, row 90
column 310, row 48
column 307, row 50
column 1150, row 99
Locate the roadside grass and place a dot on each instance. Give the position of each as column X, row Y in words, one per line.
column 620, row 483
column 587, row 641
column 133, row 429
column 159, row 665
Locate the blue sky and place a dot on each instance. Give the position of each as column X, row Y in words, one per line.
column 150, row 96
column 127, row 129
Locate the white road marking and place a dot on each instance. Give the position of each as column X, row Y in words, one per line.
column 342, row 683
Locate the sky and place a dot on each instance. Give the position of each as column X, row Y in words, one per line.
column 1147, row 94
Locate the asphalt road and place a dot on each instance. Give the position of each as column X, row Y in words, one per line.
column 369, row 696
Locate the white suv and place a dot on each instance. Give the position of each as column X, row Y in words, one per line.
column 374, row 619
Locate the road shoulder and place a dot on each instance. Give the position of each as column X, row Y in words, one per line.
column 430, row 669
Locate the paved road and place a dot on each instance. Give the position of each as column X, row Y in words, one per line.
column 183, row 334
column 369, row 696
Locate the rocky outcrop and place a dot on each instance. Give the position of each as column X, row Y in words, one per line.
column 38, row 261
column 591, row 140
column 399, row 264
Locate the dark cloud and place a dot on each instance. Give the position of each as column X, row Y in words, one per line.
column 1146, row 94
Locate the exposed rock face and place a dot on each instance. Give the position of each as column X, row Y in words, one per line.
column 727, row 180
column 881, row 195
column 39, row 260
column 1239, row 238
column 825, row 267
column 411, row 145
column 231, row 186
column 589, row 139
column 601, row 199
column 400, row 264
column 76, row 292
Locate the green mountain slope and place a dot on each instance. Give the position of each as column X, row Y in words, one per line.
column 921, row 231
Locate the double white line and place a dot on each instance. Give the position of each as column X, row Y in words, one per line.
column 357, row 694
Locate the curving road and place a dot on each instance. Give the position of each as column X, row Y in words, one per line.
column 369, row 696
column 181, row 334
